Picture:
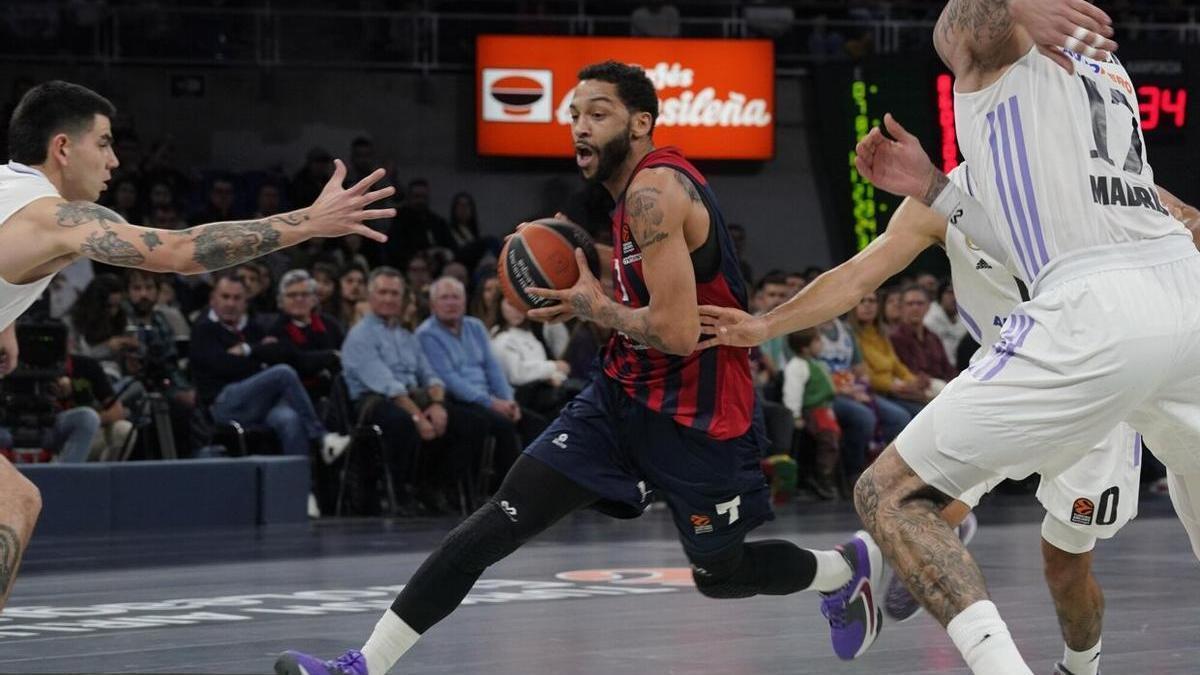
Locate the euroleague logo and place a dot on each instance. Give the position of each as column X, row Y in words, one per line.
column 517, row 95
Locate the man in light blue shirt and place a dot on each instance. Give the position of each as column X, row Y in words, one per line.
column 460, row 351
column 393, row 386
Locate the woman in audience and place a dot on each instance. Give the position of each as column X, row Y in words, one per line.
column 325, row 274
column 98, row 323
column 351, row 296
column 890, row 298
column 485, row 302
column 464, row 221
column 891, row 381
column 537, row 380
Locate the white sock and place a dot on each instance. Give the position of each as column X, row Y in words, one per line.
column 984, row 641
column 391, row 638
column 1086, row 662
column 833, row 571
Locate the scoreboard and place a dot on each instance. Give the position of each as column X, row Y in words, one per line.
column 847, row 100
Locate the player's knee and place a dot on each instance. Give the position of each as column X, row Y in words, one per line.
column 719, row 578
column 1064, row 571
column 486, row 537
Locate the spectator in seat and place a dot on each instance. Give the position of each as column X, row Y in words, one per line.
column 325, row 275
column 460, row 352
column 419, row 275
column 309, row 340
column 928, row 282
column 796, row 281
column 392, row 385
column 772, row 291
column 809, row 394
column 221, row 196
column 485, row 302
column 943, row 319
column 351, row 296
column 893, row 307
column 230, row 359
column 89, row 418
column 308, row 182
column 918, row 347
column 98, row 323
column 463, row 227
column 859, row 414
column 538, row 381
column 154, row 364
column 891, row 381
column 417, row 228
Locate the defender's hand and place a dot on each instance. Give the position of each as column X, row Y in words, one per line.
column 1076, row 25
column 339, row 211
column 731, row 327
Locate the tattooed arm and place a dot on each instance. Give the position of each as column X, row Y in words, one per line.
column 656, row 205
column 93, row 231
column 977, row 39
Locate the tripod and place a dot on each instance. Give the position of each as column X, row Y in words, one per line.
column 153, row 409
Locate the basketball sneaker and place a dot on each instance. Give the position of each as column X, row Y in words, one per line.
column 299, row 663
column 898, row 604
column 853, row 614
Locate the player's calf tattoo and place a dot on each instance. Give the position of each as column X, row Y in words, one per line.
column 10, row 555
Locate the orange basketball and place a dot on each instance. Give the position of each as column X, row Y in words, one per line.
column 542, row 255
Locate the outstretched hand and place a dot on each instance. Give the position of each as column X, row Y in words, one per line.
column 898, row 166
column 1076, row 25
column 583, row 300
column 730, row 327
column 340, row 211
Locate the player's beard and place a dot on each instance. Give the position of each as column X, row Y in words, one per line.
column 611, row 156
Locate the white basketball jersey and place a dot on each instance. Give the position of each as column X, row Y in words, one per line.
column 1060, row 162
column 19, row 186
column 983, row 288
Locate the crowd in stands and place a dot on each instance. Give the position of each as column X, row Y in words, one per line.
column 304, row 347
column 849, row 386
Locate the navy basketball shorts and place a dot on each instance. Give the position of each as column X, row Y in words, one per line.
column 625, row 452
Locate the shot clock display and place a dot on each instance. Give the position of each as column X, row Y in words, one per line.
column 850, row 99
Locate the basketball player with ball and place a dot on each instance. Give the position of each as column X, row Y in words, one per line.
column 662, row 417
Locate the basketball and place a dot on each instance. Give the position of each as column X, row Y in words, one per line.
column 542, row 255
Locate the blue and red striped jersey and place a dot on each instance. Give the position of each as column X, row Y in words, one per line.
column 709, row 390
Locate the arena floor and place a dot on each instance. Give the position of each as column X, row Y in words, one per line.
column 226, row 602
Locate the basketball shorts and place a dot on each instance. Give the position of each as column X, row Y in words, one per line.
column 1096, row 345
column 1185, row 496
column 624, row 452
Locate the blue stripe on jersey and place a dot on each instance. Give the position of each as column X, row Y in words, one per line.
column 1027, row 181
column 971, row 325
column 1012, row 230
column 1014, row 193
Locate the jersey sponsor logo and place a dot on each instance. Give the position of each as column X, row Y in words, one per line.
column 982, row 265
column 954, row 217
column 701, row 524
column 1082, row 511
column 1112, row 191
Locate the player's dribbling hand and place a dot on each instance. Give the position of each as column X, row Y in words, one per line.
column 339, row 211
column 1076, row 25
column 898, row 166
column 583, row 300
column 730, row 327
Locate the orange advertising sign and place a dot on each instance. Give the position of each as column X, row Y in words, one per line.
column 716, row 97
